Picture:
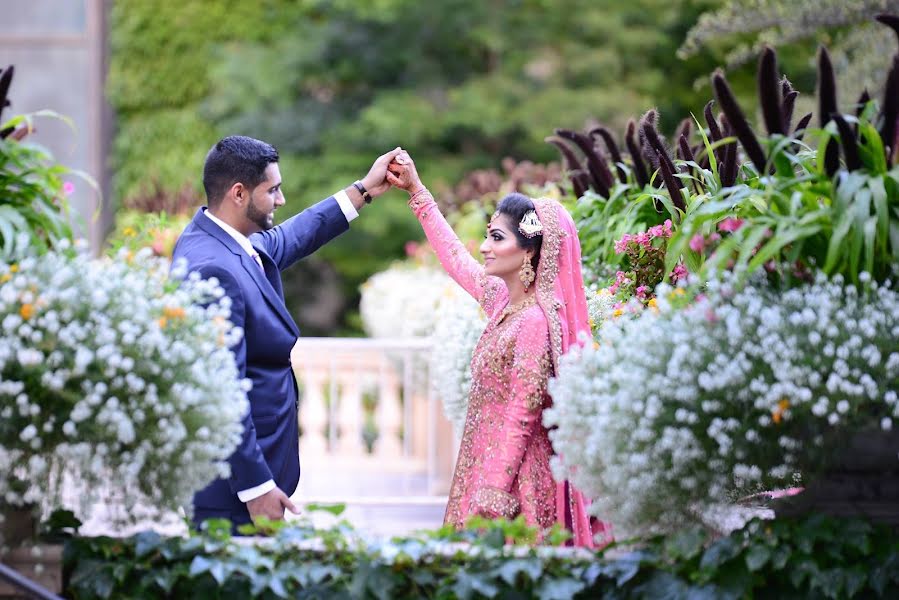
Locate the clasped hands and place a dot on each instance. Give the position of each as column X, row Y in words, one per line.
column 395, row 168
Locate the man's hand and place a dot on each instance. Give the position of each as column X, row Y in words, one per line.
column 271, row 505
column 376, row 179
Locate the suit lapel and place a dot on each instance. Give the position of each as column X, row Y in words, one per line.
column 274, row 297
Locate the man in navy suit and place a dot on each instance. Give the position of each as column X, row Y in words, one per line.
column 234, row 240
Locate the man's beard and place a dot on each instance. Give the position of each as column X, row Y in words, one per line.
column 261, row 219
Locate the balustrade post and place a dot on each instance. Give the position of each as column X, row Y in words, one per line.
column 350, row 416
column 313, row 414
column 388, row 416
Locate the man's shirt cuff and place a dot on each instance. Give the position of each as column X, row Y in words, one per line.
column 349, row 211
column 255, row 492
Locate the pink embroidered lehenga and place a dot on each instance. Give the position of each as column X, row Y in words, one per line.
column 503, row 467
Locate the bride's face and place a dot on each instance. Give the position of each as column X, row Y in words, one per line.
column 503, row 256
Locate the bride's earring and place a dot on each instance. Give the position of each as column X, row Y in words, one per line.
column 526, row 273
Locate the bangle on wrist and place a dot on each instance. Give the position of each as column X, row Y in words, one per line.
column 364, row 192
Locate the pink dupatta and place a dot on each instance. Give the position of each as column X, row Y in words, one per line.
column 560, row 293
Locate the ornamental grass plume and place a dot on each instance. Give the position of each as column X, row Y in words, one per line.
column 849, row 142
column 665, row 164
column 770, row 97
column 633, row 148
column 827, row 107
column 890, row 110
column 731, row 108
column 612, row 147
column 572, row 165
column 600, row 177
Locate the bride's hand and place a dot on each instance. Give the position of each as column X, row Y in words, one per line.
column 401, row 173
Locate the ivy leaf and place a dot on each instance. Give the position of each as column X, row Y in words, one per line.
column 757, row 557
column 146, row 542
column 165, row 579
column 216, row 568
column 467, row 583
column 509, row 571
column 685, row 545
column 719, row 553
column 559, row 589
column 94, row 577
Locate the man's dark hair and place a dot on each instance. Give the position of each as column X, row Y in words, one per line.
column 515, row 206
column 233, row 159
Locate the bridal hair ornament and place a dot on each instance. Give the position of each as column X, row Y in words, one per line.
column 530, row 226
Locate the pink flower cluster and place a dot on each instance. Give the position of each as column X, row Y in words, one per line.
column 645, row 238
column 622, row 280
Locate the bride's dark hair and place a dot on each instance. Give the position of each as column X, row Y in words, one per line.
column 515, row 206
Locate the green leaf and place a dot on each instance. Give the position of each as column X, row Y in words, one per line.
column 719, row 553
column 510, row 570
column 559, row 589
column 685, row 545
column 146, row 542
column 757, row 557
column 335, row 509
column 468, row 583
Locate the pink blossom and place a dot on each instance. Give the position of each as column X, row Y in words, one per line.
column 730, row 224
column 697, row 243
column 411, row 248
column 661, row 231
column 667, row 227
column 641, row 292
column 679, row 272
column 68, row 188
column 715, row 237
column 642, row 239
column 621, row 245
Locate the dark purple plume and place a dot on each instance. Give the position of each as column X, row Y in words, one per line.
column 827, row 106
column 727, row 171
column 737, row 120
column 5, row 81
column 612, row 147
column 849, row 143
column 789, row 103
column 630, row 141
column 890, row 109
column 571, row 161
column 769, row 87
column 800, row 127
column 600, row 177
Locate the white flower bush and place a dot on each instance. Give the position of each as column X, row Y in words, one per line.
column 461, row 322
column 113, row 376
column 677, row 410
column 402, row 301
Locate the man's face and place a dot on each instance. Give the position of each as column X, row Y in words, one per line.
column 265, row 198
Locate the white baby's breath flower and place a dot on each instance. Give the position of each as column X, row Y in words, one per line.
column 739, row 372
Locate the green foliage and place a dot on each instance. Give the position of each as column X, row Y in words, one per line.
column 34, row 212
column 800, row 216
column 861, row 48
column 813, row 557
column 461, row 84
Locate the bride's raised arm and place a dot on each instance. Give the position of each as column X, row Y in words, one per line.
column 451, row 252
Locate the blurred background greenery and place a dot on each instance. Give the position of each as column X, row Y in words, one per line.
column 470, row 87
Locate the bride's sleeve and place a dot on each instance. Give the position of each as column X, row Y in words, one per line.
column 527, row 392
column 451, row 252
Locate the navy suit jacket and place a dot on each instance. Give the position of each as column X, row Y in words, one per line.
column 270, row 445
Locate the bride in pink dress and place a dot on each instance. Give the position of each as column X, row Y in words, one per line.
column 531, row 289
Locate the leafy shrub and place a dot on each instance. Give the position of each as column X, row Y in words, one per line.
column 816, row 557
